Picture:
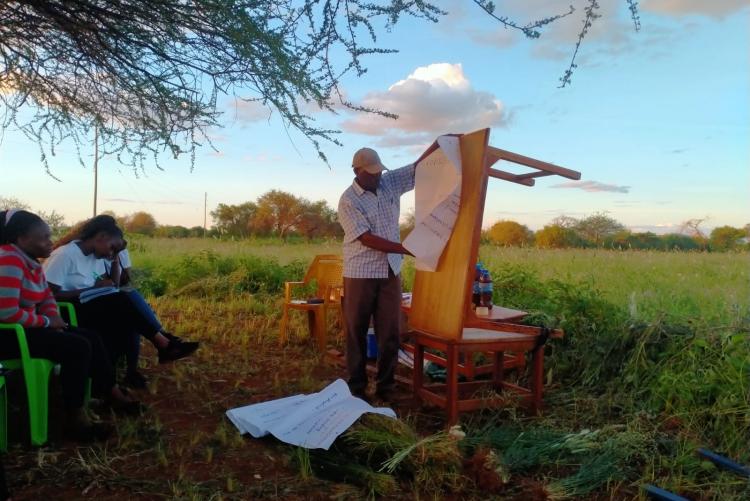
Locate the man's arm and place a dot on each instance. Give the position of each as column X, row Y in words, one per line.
column 381, row 244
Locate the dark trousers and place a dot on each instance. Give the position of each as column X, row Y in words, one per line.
column 379, row 298
column 120, row 322
column 134, row 349
column 80, row 353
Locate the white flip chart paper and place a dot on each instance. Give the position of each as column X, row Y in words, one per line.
column 437, row 200
column 312, row 421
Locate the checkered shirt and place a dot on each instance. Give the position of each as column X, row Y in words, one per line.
column 361, row 211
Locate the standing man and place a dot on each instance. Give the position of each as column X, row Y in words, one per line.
column 369, row 212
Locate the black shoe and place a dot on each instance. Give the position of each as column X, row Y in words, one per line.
column 135, row 380
column 176, row 350
column 170, row 336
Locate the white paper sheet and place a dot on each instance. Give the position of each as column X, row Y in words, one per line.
column 312, row 421
column 437, row 200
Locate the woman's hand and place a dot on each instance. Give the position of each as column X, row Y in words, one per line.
column 104, row 282
column 57, row 323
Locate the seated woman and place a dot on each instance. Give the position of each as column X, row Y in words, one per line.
column 25, row 298
column 77, row 272
column 119, row 272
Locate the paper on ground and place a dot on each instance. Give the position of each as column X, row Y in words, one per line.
column 437, row 199
column 312, row 421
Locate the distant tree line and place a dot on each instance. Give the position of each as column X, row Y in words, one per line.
column 280, row 214
column 601, row 231
column 274, row 214
column 277, row 213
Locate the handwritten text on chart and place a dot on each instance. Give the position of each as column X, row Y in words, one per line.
column 438, row 199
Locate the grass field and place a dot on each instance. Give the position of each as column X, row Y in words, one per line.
column 656, row 362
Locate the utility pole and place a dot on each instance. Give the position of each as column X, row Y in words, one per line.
column 205, row 205
column 96, row 164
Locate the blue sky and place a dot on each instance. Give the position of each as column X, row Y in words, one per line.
column 657, row 122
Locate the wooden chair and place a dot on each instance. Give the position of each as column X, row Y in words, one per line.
column 466, row 366
column 441, row 316
column 326, row 270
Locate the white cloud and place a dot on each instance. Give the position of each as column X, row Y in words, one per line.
column 711, row 8
column 658, row 228
column 433, row 100
column 250, row 111
column 499, row 38
column 593, row 186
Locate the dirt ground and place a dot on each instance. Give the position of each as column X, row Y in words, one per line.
column 183, row 446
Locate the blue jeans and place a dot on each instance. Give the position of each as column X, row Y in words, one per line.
column 134, row 347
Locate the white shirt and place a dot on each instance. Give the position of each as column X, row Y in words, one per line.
column 124, row 257
column 71, row 269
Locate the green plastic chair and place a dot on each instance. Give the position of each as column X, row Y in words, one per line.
column 36, row 373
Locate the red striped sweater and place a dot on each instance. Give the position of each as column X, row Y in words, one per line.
column 25, row 297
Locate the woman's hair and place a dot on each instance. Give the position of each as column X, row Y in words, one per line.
column 16, row 223
column 90, row 228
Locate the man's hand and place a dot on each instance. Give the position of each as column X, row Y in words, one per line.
column 406, row 251
column 432, row 148
column 382, row 244
column 57, row 323
column 427, row 152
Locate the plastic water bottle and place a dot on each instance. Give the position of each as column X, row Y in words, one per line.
column 485, row 289
column 372, row 344
column 476, row 293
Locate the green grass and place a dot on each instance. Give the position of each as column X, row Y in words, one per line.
column 713, row 286
column 655, row 362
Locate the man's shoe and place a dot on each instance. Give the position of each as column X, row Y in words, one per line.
column 176, row 350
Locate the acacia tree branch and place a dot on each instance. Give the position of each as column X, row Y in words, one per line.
column 149, row 74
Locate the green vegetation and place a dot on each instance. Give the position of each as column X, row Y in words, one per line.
column 655, row 363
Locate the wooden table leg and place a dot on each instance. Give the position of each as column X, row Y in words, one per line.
column 283, row 325
column 418, row 371
column 321, row 328
column 316, row 322
column 537, row 379
column 452, row 385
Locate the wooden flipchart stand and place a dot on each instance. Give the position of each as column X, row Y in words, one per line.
column 441, row 316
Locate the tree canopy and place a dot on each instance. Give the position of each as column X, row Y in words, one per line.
column 277, row 213
column 147, row 76
column 140, row 222
column 510, row 234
